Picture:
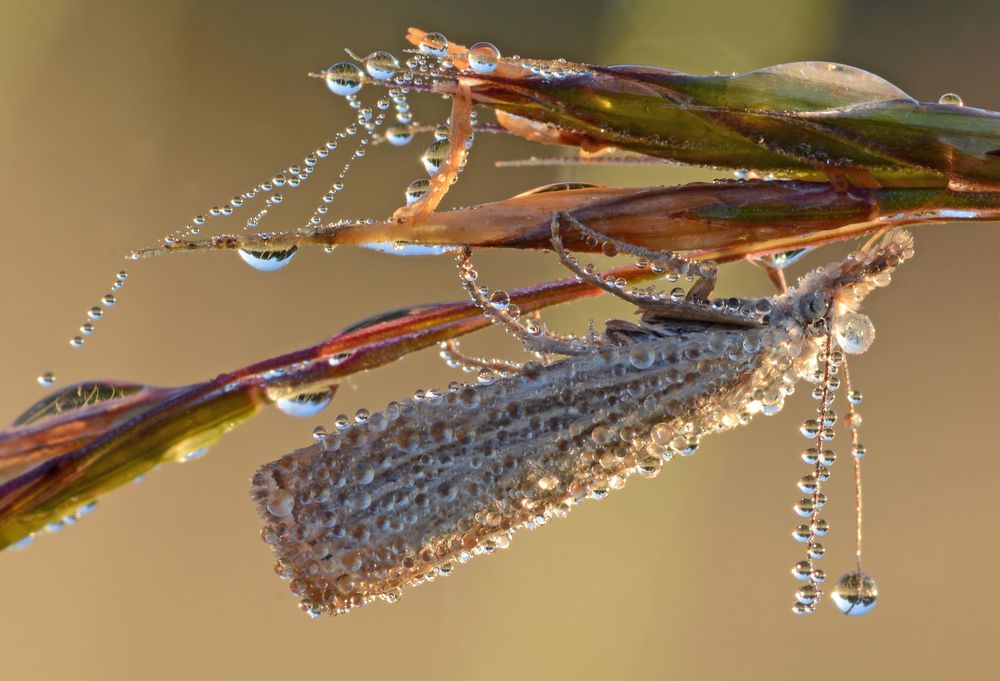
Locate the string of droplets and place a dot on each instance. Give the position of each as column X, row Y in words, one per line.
column 855, row 592
column 291, row 177
column 820, row 430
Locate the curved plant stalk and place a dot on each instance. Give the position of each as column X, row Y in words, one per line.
column 69, row 449
column 721, row 221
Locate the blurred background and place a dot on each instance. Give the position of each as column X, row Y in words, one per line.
column 119, row 121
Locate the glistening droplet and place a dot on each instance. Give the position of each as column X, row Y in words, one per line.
column 483, row 57
column 305, row 404
column 343, row 78
column 855, row 594
column 267, row 261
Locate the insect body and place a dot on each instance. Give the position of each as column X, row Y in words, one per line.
column 398, row 497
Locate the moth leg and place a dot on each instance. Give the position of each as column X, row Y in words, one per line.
column 454, row 357
column 665, row 260
column 532, row 334
column 656, row 302
column 774, row 272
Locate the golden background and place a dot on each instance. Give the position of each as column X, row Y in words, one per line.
column 121, row 120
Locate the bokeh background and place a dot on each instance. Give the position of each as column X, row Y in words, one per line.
column 121, row 120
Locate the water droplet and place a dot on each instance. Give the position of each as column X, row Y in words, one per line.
column 499, row 300
column 267, row 261
column 854, row 332
column 381, row 65
column 47, row 379
column 483, row 57
column 23, row 543
column 434, row 44
column 398, row 135
column 802, row 570
column 416, row 191
column 951, row 98
column 87, row 328
column 855, row 594
column 344, row 78
column 109, row 299
column 95, row 312
column 76, row 342
column 305, row 404
column 192, row 455
column 435, row 156
column 281, row 503
column 809, row 428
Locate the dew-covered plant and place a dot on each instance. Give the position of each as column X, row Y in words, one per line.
column 822, row 152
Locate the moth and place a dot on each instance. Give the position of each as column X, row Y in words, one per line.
column 402, row 495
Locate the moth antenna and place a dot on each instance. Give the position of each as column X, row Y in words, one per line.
column 679, row 304
column 500, row 310
column 856, row 592
column 457, row 359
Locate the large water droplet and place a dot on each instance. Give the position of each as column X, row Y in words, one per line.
column 398, row 135
column 381, row 65
column 434, row 44
column 416, row 191
column 47, row 379
column 305, row 404
column 951, row 98
column 267, row 261
column 854, row 332
column 344, row 78
column 855, row 594
column 435, row 156
column 483, row 57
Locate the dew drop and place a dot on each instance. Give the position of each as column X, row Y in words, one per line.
column 47, row 379
column 344, row 78
column 267, row 261
column 398, row 135
column 76, row 342
column 434, row 44
column 951, row 99
column 855, row 594
column 854, row 332
column 108, row 300
column 95, row 312
column 483, row 57
column 281, row 503
column 305, row 404
column 381, row 65
column 500, row 300
column 416, row 191
column 435, row 156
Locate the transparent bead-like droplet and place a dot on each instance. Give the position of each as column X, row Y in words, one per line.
column 483, row 57
column 854, row 332
column 267, row 261
column 951, row 98
column 344, row 78
column 435, row 156
column 855, row 594
column 434, row 44
column 305, row 404
column 381, row 65
column 47, row 379
column 398, row 135
column 416, row 191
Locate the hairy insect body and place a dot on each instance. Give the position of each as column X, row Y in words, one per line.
column 396, row 500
